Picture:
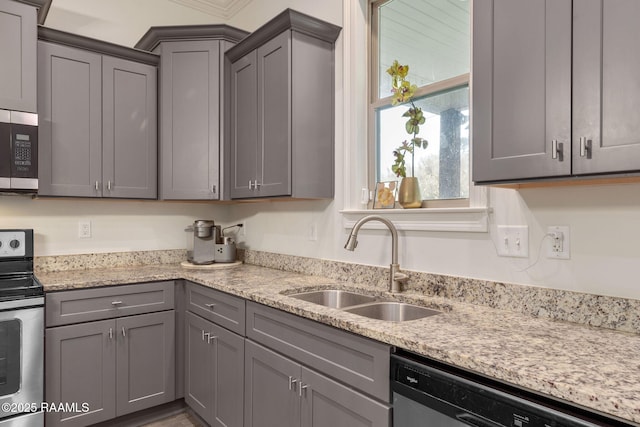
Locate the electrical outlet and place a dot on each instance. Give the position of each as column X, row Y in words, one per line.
column 513, row 241
column 313, row 232
column 84, row 229
column 560, row 242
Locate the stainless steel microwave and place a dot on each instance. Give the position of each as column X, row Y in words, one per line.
column 18, row 151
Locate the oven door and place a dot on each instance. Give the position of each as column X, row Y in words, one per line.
column 21, row 357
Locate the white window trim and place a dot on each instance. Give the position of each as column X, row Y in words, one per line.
column 474, row 218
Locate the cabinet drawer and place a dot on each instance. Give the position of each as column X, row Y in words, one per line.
column 223, row 309
column 63, row 308
column 356, row 361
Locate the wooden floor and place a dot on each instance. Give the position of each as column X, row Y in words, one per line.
column 180, row 420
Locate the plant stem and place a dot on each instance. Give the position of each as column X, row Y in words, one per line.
column 413, row 106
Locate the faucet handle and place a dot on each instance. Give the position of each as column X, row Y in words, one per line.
column 400, row 277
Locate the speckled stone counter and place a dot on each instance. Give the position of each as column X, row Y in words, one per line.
column 594, row 367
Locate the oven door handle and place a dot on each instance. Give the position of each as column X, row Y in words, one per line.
column 474, row 420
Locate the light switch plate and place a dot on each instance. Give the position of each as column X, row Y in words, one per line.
column 513, row 241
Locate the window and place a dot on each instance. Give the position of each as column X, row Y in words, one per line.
column 433, row 38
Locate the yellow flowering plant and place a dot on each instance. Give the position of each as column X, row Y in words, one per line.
column 403, row 92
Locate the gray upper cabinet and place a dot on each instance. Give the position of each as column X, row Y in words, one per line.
column 521, row 87
column 191, row 99
column 606, row 94
column 244, row 101
column 129, row 129
column 98, row 119
column 554, row 94
column 190, row 126
column 18, row 35
column 70, row 116
column 281, row 133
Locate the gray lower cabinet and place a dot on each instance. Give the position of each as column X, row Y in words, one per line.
column 98, row 124
column 110, row 368
column 281, row 392
column 18, row 32
column 214, row 372
column 553, row 89
column 282, row 110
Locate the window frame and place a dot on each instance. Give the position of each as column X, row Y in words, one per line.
column 375, row 102
column 355, row 161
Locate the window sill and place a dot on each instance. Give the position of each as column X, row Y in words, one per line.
column 463, row 220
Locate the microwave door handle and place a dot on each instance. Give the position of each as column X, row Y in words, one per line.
column 474, row 420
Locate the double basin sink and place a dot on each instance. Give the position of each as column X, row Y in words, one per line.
column 366, row 305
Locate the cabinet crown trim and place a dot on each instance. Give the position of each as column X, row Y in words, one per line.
column 289, row 19
column 158, row 34
column 98, row 46
column 42, row 6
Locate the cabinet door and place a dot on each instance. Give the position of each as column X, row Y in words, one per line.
column 271, row 399
column 146, row 361
column 190, row 125
column 326, row 403
column 70, row 117
column 129, row 135
column 244, row 126
column 81, row 368
column 606, row 95
column 198, row 389
column 274, row 117
column 521, row 101
column 18, row 32
column 228, row 377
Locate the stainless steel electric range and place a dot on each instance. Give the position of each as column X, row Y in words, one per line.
column 21, row 333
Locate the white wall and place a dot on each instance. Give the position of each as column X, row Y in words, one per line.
column 116, row 225
column 604, row 220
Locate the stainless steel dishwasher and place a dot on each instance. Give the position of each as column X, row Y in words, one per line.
column 430, row 394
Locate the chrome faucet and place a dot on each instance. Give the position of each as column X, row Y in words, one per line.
column 395, row 276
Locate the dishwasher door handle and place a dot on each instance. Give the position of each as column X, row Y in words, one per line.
column 474, row 420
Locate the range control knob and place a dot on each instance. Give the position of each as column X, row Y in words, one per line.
column 14, row 243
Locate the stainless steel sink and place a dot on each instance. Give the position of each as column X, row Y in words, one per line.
column 334, row 298
column 392, row 311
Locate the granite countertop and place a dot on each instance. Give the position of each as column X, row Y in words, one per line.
column 593, row 367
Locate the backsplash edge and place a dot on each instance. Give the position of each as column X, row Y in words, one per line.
column 602, row 311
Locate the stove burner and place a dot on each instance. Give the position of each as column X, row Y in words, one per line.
column 17, row 281
column 20, row 287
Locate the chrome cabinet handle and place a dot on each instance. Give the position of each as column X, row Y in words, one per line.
column 213, row 188
column 124, row 333
column 211, row 338
column 302, row 389
column 210, row 306
column 292, row 383
column 557, row 150
column 97, row 186
column 257, row 185
column 110, row 333
column 116, row 303
column 109, row 185
column 250, row 184
column 206, row 335
column 585, row 147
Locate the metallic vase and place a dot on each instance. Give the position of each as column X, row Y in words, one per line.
column 409, row 193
